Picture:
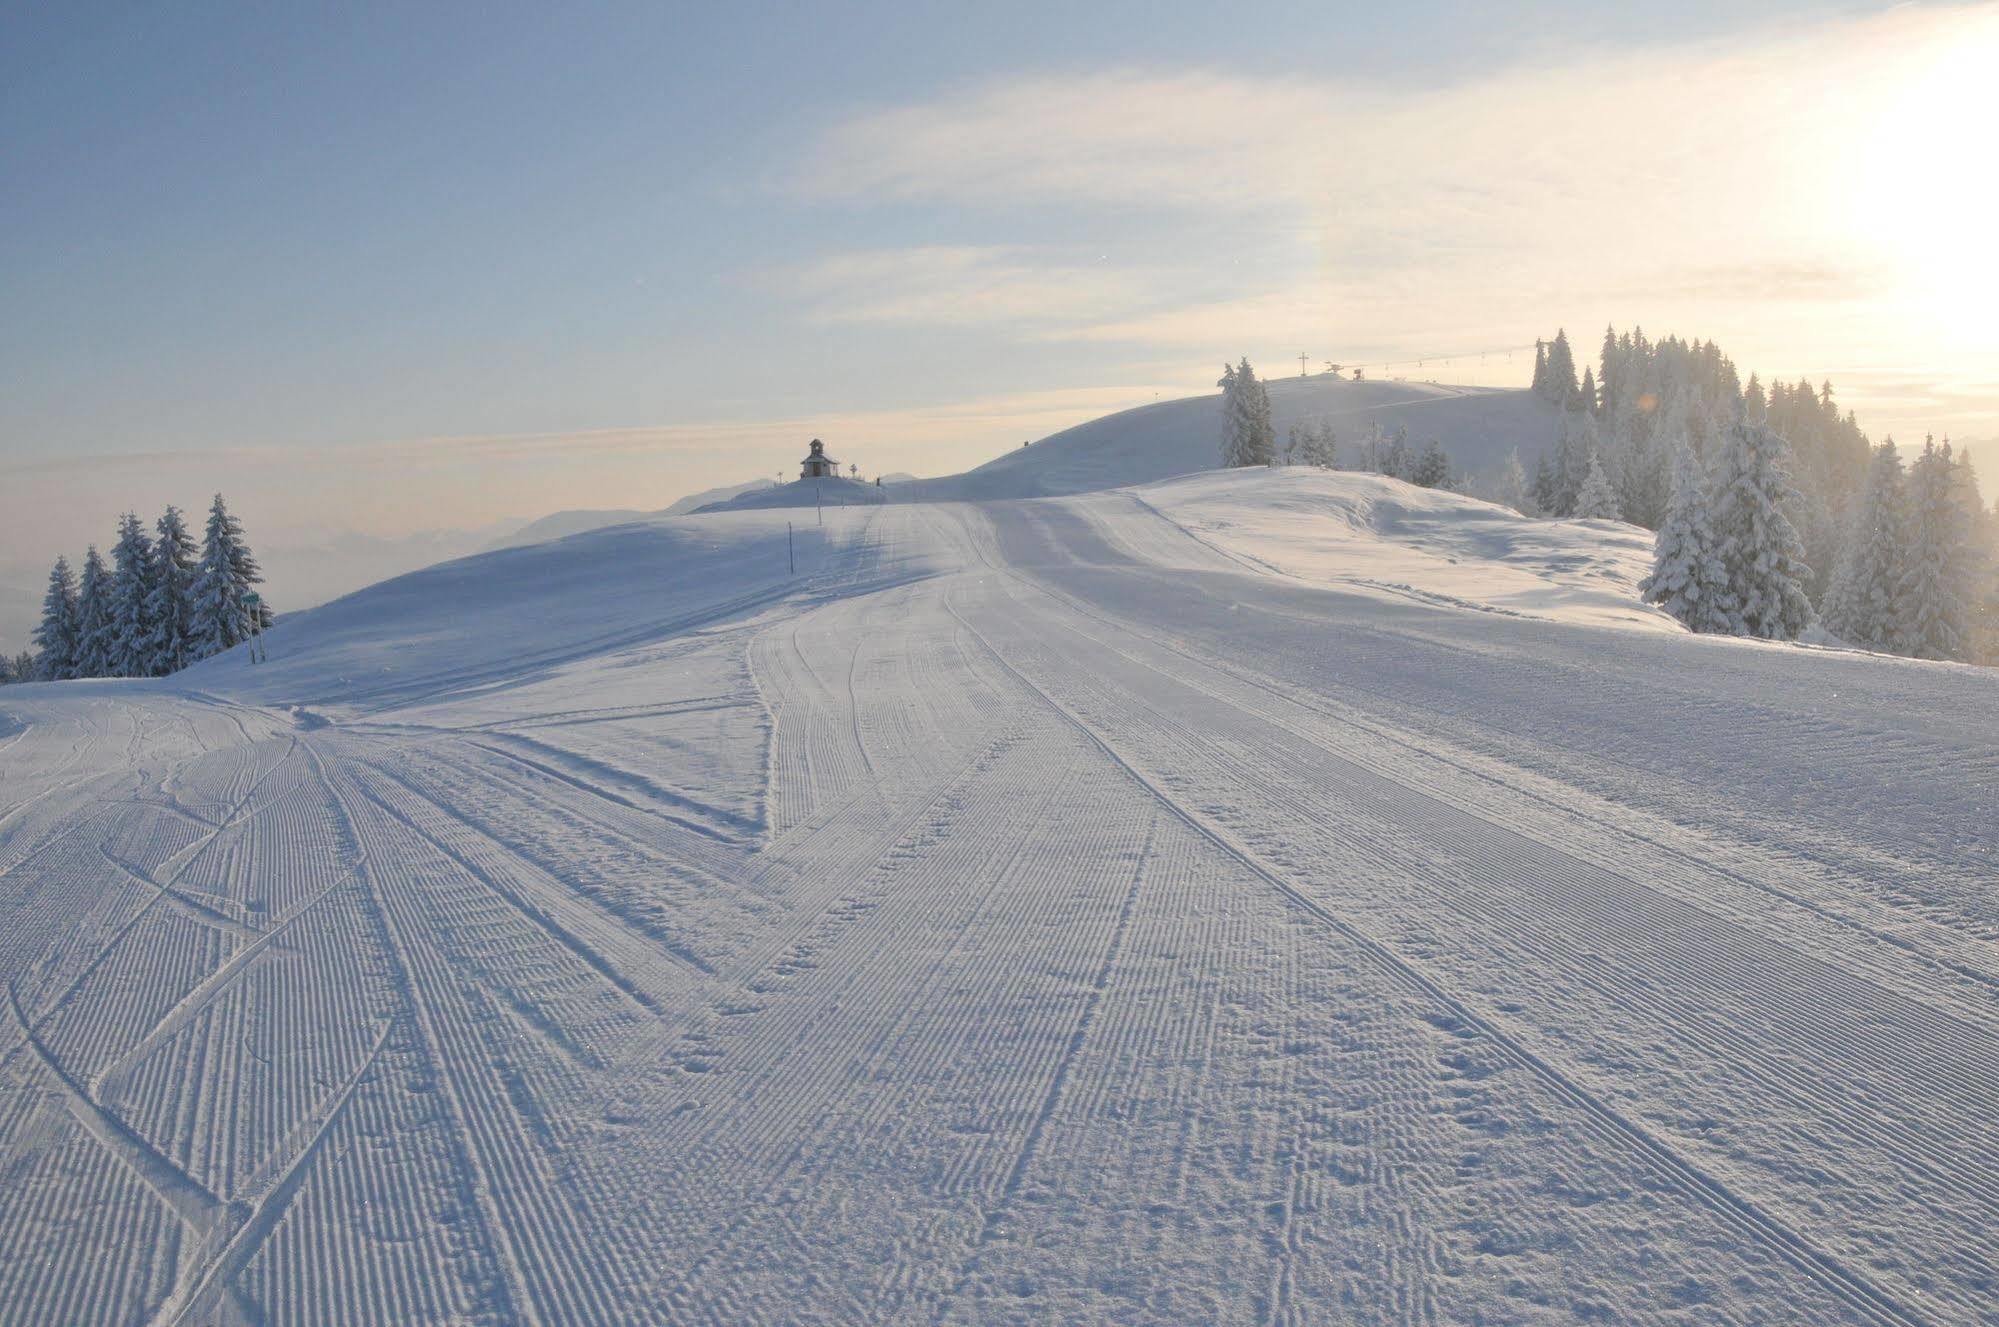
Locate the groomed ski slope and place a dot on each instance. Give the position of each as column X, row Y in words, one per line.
column 1132, row 907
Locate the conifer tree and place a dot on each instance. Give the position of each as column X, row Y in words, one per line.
column 93, row 618
column 1645, row 486
column 170, row 599
column 55, row 637
column 1510, row 489
column 1610, row 375
column 1259, row 434
column 1547, row 489
column 1759, row 549
column 1863, row 600
column 131, row 586
column 1232, row 418
column 1937, row 560
column 1597, row 500
column 1317, row 446
column 223, row 615
column 1575, row 446
column 1248, row 437
column 1561, row 370
column 1688, row 579
column 1325, row 446
column 1394, row 459
column 1540, row 369
column 1432, row 468
column 1585, row 398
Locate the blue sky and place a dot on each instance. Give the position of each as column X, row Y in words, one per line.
column 388, row 267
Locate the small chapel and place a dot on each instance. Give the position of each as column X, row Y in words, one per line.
column 817, row 464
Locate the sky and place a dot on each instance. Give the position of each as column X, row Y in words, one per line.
column 377, row 270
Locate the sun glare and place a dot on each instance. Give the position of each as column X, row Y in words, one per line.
column 1928, row 191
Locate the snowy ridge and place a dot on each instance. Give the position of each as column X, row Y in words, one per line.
column 1477, row 426
column 1117, row 907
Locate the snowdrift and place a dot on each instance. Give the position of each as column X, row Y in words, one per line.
column 1368, row 532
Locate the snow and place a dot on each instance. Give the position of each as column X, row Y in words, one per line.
column 1385, row 537
column 1477, row 427
column 830, row 492
column 1274, row 896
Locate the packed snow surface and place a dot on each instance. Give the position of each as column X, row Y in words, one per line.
column 1370, row 533
column 1245, row 899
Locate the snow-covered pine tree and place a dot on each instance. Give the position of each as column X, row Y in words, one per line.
column 1646, row 485
column 1561, row 381
column 55, row 637
column 1510, row 489
column 1432, row 468
column 1937, row 561
column 1259, row 434
column 1575, row 446
column 1585, row 398
column 1232, row 418
column 1979, row 538
column 1610, row 376
column 170, row 601
column 1688, row 579
column 1324, row 445
column 1547, row 488
column 1540, row 387
column 93, row 618
column 1613, row 453
column 1316, row 446
column 1596, row 500
column 243, row 568
column 1394, row 459
column 1862, row 602
column 1759, row 549
column 131, row 586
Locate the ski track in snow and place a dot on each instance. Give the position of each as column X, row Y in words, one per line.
column 1033, row 912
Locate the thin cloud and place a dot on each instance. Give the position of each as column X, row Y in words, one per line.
column 939, row 285
column 1809, row 282
column 1683, row 170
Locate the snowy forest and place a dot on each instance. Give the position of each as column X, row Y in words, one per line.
column 1772, row 508
column 1773, row 511
column 162, row 603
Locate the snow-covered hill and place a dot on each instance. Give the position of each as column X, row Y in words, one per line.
column 1477, row 426
column 809, row 493
column 1250, row 898
column 489, row 621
